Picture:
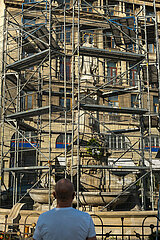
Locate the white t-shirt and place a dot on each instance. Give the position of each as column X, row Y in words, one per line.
column 64, row 224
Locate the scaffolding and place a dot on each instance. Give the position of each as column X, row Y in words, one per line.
column 82, row 71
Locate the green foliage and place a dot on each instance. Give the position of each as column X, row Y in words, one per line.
column 94, row 149
column 5, row 236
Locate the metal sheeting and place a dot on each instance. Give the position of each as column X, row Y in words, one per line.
column 40, row 36
column 152, row 70
column 150, row 30
column 121, row 28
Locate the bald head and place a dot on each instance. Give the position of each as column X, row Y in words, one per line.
column 64, row 190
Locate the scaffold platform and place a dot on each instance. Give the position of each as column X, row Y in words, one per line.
column 111, row 54
column 33, row 60
column 34, row 112
column 102, row 108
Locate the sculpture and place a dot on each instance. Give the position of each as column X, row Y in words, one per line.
column 88, row 65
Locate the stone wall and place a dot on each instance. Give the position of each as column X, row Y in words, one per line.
column 132, row 219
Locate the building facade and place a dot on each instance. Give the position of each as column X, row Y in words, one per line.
column 80, row 98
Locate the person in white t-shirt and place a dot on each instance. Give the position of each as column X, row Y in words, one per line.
column 64, row 222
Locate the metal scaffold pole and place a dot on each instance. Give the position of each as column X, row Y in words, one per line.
column 157, row 55
column 78, row 108
column 65, row 89
column 50, row 101
column 142, row 159
column 149, row 110
column 72, row 70
column 2, row 99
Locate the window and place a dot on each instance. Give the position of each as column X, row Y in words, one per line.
column 68, row 4
column 155, row 104
column 60, row 141
column 111, row 4
column 108, row 40
column 27, row 100
column 152, row 48
column 134, row 101
column 26, row 157
column 68, row 69
column 89, row 34
column 149, row 13
column 131, row 47
column 28, row 1
column 111, row 72
column 68, row 100
column 23, row 143
column 117, row 142
column 28, row 22
column 129, row 9
column 132, row 76
column 60, row 31
column 113, row 101
column 86, row 7
column 155, row 143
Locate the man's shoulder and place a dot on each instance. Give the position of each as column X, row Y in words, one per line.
column 80, row 213
column 47, row 213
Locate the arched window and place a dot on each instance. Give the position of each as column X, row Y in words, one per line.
column 23, row 143
column 23, row 156
column 60, row 141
